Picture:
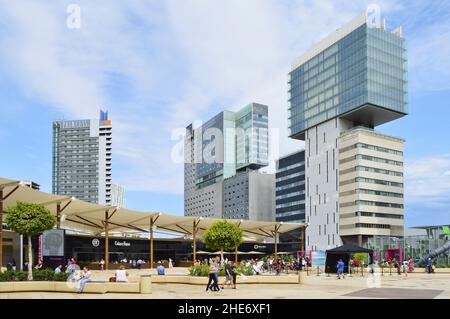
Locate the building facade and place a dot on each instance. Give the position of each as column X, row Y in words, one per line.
column 355, row 77
column 290, row 188
column 82, row 159
column 117, row 195
column 370, row 185
column 249, row 195
column 226, row 152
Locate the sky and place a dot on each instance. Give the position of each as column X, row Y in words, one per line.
column 158, row 66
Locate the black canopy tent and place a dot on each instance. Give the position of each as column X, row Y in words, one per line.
column 343, row 252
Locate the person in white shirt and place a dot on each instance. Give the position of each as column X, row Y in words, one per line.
column 85, row 277
column 121, row 274
column 170, row 263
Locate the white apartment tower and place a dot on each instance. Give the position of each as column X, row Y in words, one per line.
column 82, row 153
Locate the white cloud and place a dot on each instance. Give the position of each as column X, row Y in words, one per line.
column 427, row 181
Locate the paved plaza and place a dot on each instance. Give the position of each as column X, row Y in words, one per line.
column 416, row 285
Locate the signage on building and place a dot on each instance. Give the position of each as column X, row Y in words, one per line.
column 52, row 243
column 95, row 242
column 260, row 247
column 122, row 243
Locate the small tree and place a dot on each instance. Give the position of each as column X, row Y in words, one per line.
column 29, row 220
column 361, row 257
column 223, row 235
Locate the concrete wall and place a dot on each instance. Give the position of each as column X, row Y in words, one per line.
column 261, row 196
column 322, row 188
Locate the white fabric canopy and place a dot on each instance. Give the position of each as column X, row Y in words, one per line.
column 90, row 218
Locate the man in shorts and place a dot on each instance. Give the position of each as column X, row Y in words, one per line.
column 228, row 274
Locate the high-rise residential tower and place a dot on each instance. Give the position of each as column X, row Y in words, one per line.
column 82, row 159
column 221, row 162
column 339, row 91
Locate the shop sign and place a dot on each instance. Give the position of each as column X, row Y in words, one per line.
column 122, row 243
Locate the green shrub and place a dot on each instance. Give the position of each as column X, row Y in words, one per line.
column 203, row 270
column 7, row 275
column 62, row 276
column 43, row 275
column 21, row 275
column 38, row 275
column 199, row 270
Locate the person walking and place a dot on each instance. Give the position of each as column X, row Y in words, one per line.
column 170, row 263
column 102, row 264
column 340, row 269
column 429, row 265
column 228, row 275
column 212, row 280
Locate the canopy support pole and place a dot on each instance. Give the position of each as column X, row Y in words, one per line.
column 194, row 238
column 275, row 236
column 236, row 255
column 302, row 239
column 151, row 242
column 2, row 198
column 1, row 228
column 58, row 215
column 106, row 240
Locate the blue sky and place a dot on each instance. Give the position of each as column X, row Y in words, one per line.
column 159, row 65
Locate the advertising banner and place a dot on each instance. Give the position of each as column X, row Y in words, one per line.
column 53, row 243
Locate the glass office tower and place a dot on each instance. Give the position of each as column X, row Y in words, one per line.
column 356, row 77
column 361, row 76
column 225, row 152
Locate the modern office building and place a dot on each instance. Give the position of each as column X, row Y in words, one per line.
column 356, row 77
column 31, row 184
column 82, row 153
column 290, row 188
column 370, row 185
column 225, row 152
column 117, row 195
column 249, row 195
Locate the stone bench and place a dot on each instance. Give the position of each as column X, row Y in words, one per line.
column 192, row 280
column 143, row 285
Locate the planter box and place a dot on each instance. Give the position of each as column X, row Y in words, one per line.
column 6, row 286
column 34, row 286
column 124, row 287
column 193, row 280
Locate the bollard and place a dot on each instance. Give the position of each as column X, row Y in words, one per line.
column 301, row 277
column 146, row 284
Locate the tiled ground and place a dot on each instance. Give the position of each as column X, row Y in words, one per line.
column 418, row 285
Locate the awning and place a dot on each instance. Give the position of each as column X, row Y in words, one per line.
column 90, row 218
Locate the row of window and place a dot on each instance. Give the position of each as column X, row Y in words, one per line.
column 291, row 213
column 371, row 214
column 291, row 195
column 371, row 170
column 373, row 148
column 371, row 203
column 280, row 170
column 371, row 192
column 280, row 188
column 370, row 158
column 371, row 181
column 291, row 204
column 280, row 179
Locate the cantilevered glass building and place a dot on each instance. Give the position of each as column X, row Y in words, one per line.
column 357, row 73
column 338, row 92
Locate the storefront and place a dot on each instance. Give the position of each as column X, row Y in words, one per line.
column 90, row 250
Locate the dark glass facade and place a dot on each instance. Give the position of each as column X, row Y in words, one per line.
column 290, row 188
column 86, row 249
column 366, row 68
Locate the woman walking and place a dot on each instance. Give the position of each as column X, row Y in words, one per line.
column 212, row 281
